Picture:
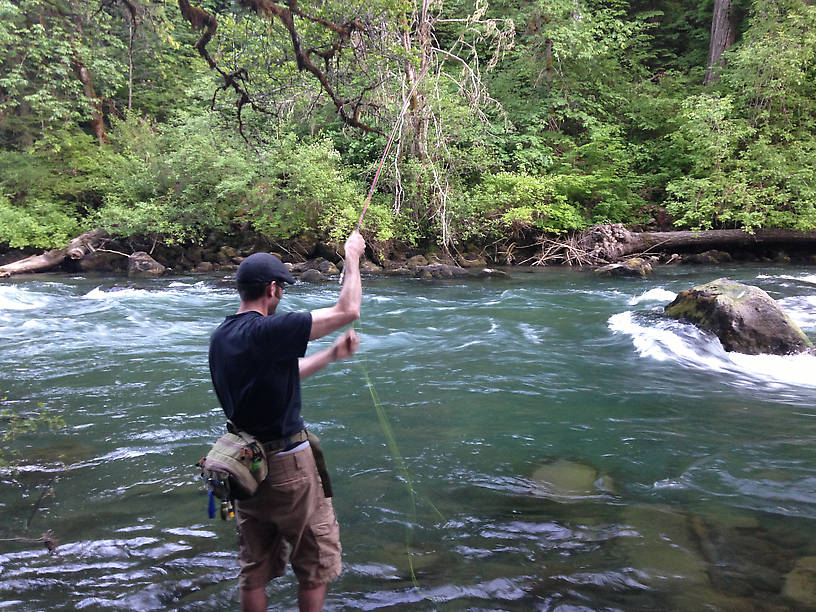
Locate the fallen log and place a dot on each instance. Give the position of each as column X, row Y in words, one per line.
column 78, row 248
column 613, row 242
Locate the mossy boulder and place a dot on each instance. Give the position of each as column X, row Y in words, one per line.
column 142, row 264
column 440, row 271
column 471, row 260
column 312, row 275
column 320, row 264
column 417, row 261
column 369, row 267
column 634, row 266
column 744, row 318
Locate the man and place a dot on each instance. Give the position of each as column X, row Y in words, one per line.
column 256, row 362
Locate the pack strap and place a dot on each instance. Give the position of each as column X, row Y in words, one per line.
column 234, row 429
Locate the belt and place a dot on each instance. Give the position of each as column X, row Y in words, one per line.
column 284, row 444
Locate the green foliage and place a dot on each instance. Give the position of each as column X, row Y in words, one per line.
column 750, row 147
column 39, row 224
column 305, row 189
column 41, row 45
column 509, row 202
column 543, row 116
column 175, row 181
column 46, row 189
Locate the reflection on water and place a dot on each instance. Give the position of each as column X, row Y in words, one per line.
column 569, row 446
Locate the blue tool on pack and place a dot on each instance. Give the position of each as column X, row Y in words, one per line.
column 210, row 505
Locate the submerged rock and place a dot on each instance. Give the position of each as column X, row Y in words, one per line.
column 491, row 273
column 656, row 539
column 800, row 583
column 565, row 480
column 744, row 318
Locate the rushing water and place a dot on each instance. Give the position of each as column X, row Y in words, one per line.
column 570, row 448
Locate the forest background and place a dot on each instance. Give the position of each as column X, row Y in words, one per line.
column 173, row 123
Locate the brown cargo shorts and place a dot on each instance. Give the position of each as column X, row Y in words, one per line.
column 288, row 519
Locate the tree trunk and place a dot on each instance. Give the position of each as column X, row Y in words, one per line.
column 613, row 242
column 84, row 76
column 723, row 34
column 97, row 120
column 77, row 249
column 418, row 119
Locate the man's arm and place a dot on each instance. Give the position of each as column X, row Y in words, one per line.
column 347, row 308
column 345, row 346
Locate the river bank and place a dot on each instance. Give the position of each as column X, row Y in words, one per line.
column 314, row 260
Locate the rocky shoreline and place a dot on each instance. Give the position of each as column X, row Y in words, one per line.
column 608, row 250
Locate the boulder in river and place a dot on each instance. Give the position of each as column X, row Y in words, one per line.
column 471, row 260
column 417, row 261
column 744, row 318
column 323, row 266
column 142, row 264
column 369, row 267
column 440, row 271
column 712, row 257
column 635, row 266
column 312, row 275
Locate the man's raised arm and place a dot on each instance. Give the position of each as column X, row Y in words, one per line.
column 347, row 308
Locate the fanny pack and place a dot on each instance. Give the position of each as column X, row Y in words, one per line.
column 235, row 465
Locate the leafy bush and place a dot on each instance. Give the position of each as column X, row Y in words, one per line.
column 305, row 188
column 515, row 202
column 175, row 181
column 737, row 176
column 39, row 224
column 41, row 190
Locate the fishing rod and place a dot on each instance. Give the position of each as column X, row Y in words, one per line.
column 397, row 124
column 388, row 145
column 382, row 416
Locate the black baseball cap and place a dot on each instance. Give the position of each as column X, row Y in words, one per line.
column 262, row 268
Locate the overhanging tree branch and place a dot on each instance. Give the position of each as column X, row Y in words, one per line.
column 349, row 110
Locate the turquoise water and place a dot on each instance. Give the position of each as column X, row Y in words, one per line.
column 570, row 448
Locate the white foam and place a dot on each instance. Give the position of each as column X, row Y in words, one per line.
column 531, row 334
column 807, row 278
column 669, row 340
column 173, row 291
column 802, row 309
column 12, row 298
column 654, row 295
column 789, row 369
column 113, row 294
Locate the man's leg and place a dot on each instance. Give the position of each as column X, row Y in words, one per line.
column 311, row 600
column 253, row 600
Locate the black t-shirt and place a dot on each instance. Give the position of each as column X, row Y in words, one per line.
column 254, row 369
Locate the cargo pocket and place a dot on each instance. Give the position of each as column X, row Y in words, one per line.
column 328, row 540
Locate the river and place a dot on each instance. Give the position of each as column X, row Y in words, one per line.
column 569, row 447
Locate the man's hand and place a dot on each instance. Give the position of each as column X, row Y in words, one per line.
column 355, row 245
column 346, row 345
